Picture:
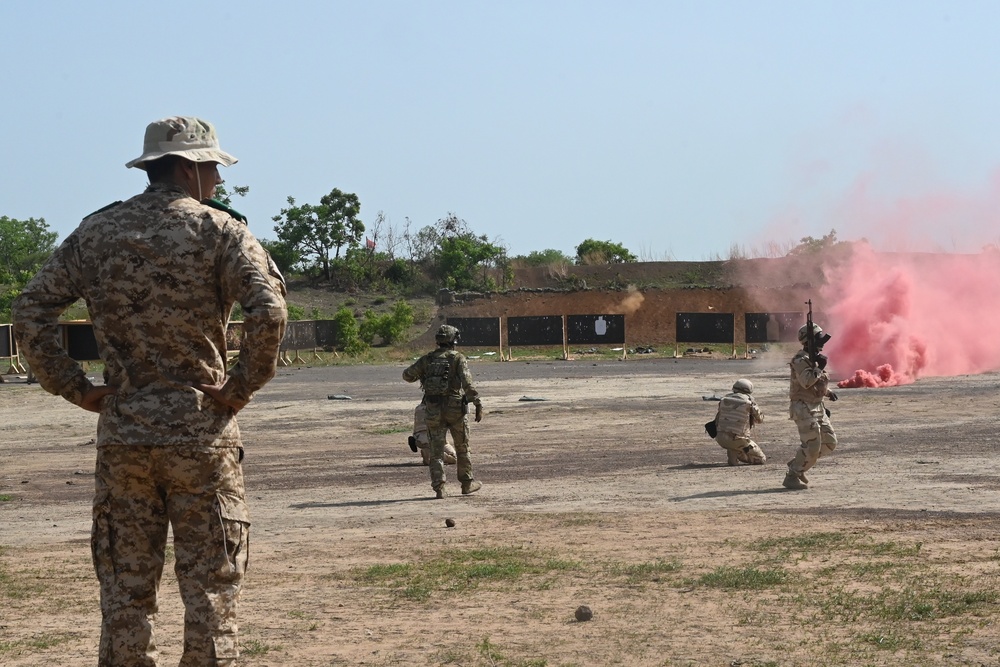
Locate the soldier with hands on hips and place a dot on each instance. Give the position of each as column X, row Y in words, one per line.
column 808, row 389
column 448, row 390
column 160, row 274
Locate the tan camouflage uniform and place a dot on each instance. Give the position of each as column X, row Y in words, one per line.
column 423, row 438
column 160, row 274
column 446, row 413
column 737, row 414
column 808, row 387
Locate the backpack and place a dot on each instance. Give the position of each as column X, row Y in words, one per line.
column 437, row 381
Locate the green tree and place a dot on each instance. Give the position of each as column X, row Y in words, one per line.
column 24, row 247
column 346, row 326
column 321, row 229
column 810, row 245
column 286, row 257
column 391, row 327
column 545, row 257
column 592, row 251
column 459, row 258
column 226, row 197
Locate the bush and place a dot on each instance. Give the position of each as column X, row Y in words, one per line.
column 391, row 327
column 347, row 332
column 399, row 273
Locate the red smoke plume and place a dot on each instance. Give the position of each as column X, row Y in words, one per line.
column 899, row 316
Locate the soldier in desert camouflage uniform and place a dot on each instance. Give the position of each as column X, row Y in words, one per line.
column 738, row 413
column 809, row 386
column 160, row 274
column 447, row 383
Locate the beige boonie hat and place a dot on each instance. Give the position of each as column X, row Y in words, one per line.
column 186, row 136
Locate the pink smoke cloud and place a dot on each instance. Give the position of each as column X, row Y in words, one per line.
column 899, row 316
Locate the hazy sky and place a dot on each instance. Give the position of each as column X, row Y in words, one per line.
column 675, row 128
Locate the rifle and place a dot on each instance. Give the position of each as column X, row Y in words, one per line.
column 810, row 339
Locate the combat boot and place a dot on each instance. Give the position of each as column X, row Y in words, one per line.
column 471, row 486
column 439, row 492
column 802, row 476
column 793, row 482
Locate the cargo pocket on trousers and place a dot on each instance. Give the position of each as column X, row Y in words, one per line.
column 102, row 539
column 234, row 517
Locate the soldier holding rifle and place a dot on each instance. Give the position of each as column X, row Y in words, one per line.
column 810, row 385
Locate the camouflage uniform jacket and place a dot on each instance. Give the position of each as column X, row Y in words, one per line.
column 160, row 274
column 808, row 383
column 737, row 414
column 459, row 382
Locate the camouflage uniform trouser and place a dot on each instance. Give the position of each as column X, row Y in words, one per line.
column 815, row 432
column 740, row 449
column 423, row 438
column 199, row 491
column 445, row 416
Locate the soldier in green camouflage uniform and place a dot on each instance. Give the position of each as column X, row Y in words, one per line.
column 421, row 438
column 160, row 274
column 447, row 383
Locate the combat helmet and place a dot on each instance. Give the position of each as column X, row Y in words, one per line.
column 446, row 335
column 817, row 332
column 743, row 386
column 191, row 138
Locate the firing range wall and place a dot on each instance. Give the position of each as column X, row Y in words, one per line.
column 650, row 315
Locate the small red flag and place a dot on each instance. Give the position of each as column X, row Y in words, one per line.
column 369, row 243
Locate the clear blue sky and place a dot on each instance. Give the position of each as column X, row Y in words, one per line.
column 675, row 128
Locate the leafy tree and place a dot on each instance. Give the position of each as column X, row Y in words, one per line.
column 24, row 247
column 810, row 245
column 460, row 259
column 592, row 251
column 287, row 257
column 226, row 197
column 322, row 229
column 545, row 257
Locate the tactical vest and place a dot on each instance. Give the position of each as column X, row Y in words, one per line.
column 734, row 414
column 438, row 379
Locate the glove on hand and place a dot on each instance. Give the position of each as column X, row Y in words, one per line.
column 821, row 361
column 832, row 395
column 479, row 411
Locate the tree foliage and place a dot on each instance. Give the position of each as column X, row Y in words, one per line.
column 592, row 251
column 318, row 230
column 809, row 245
column 226, row 197
column 287, row 257
column 546, row 257
column 24, row 247
column 391, row 327
column 346, row 326
column 460, row 259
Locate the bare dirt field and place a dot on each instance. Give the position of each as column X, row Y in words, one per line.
column 606, row 494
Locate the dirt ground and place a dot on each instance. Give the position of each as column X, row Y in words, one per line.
column 607, row 493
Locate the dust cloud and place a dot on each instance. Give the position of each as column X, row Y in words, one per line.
column 632, row 301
